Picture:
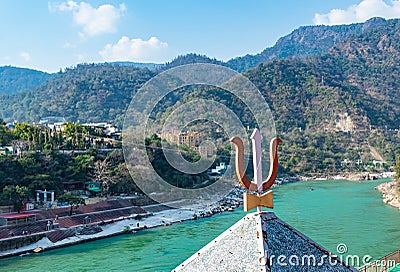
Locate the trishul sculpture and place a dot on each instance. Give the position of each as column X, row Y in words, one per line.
column 261, row 199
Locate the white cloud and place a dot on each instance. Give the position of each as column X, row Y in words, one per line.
column 94, row 21
column 25, row 56
column 365, row 10
column 69, row 45
column 152, row 50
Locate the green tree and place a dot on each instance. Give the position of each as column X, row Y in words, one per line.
column 16, row 195
column 5, row 135
column 36, row 136
column 80, row 166
column 75, row 136
column 73, row 201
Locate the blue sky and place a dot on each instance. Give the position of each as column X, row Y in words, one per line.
column 52, row 35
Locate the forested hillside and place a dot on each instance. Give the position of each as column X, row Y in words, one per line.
column 304, row 42
column 335, row 107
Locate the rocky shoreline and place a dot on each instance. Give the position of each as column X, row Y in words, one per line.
column 390, row 192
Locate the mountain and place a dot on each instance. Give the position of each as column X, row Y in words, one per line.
column 340, row 106
column 14, row 79
column 304, row 42
column 332, row 110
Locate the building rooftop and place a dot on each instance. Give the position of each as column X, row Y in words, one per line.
column 17, row 215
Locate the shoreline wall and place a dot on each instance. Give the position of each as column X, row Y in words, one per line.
column 21, row 241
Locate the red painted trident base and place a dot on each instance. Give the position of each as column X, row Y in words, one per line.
column 261, row 199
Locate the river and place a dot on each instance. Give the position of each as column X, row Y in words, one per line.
column 329, row 212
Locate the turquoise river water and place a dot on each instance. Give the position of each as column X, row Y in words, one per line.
column 334, row 212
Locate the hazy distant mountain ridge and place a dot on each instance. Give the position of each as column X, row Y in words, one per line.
column 87, row 93
column 14, row 79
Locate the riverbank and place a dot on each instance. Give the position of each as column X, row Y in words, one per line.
column 160, row 216
column 390, row 193
column 352, row 176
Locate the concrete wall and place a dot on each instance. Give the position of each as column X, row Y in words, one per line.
column 17, row 242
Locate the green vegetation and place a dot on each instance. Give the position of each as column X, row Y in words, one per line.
column 53, row 170
column 21, row 176
column 397, row 168
column 190, row 59
column 169, row 173
column 14, row 195
column 326, row 126
column 70, row 137
column 42, row 163
column 5, row 135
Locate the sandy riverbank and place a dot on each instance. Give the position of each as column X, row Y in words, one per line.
column 391, row 195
